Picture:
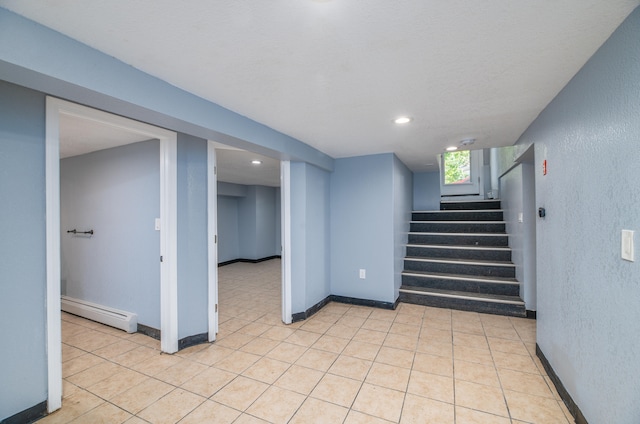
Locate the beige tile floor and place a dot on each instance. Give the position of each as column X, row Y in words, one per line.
column 346, row 364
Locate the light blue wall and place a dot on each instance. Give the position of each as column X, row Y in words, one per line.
column 228, row 241
column 362, row 231
column 232, row 190
column 247, row 224
column 229, row 195
column 310, row 214
column 588, row 316
column 192, row 236
column 22, row 248
column 278, row 223
column 257, row 223
column 530, row 217
column 426, row 191
column 248, row 221
column 402, row 206
column 68, row 69
column 317, row 234
column 517, row 198
column 116, row 193
column 265, row 222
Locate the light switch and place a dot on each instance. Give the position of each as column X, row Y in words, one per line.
column 363, row 274
column 157, row 224
column 627, row 245
column 520, row 217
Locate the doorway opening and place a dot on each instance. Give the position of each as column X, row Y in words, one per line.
column 60, row 116
column 251, row 204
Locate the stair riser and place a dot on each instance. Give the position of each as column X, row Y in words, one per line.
column 457, row 216
column 487, row 255
column 464, row 305
column 461, row 285
column 464, row 269
column 457, row 227
column 469, row 205
column 464, row 240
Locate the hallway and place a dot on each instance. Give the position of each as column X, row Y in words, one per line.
column 346, row 364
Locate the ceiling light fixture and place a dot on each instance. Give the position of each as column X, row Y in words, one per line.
column 451, row 148
column 256, row 162
column 402, row 120
column 467, row 141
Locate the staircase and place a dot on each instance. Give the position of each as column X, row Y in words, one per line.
column 458, row 257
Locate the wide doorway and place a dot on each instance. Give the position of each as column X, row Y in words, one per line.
column 250, row 243
column 64, row 119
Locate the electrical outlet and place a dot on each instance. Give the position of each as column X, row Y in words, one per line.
column 363, row 274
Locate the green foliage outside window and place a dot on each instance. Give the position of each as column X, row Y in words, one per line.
column 457, row 167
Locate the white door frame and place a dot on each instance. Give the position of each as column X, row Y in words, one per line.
column 474, row 187
column 212, row 239
column 168, row 235
column 285, row 216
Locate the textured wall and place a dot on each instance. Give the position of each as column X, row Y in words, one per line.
column 317, row 230
column 362, row 233
column 248, row 221
column 257, row 223
column 23, row 368
column 426, row 191
column 309, row 236
column 588, row 314
column 402, row 205
column 193, row 261
column 517, row 197
column 265, row 222
column 115, row 192
column 228, row 241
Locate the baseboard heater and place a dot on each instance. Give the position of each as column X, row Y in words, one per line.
column 123, row 320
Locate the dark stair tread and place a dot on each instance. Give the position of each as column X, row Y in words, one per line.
column 449, row 199
column 461, row 261
column 459, row 210
column 464, row 277
column 514, row 300
column 456, row 222
column 470, row 204
column 440, row 233
column 459, row 246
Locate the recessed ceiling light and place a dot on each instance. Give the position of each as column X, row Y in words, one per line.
column 403, row 120
column 451, row 148
column 256, row 162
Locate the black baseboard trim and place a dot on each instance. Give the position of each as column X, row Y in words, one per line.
column 299, row 316
column 531, row 314
column 564, row 395
column 196, row 339
column 251, row 261
column 149, row 331
column 29, row 415
column 365, row 302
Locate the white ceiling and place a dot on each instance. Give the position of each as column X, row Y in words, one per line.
column 79, row 136
column 334, row 74
column 234, row 166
